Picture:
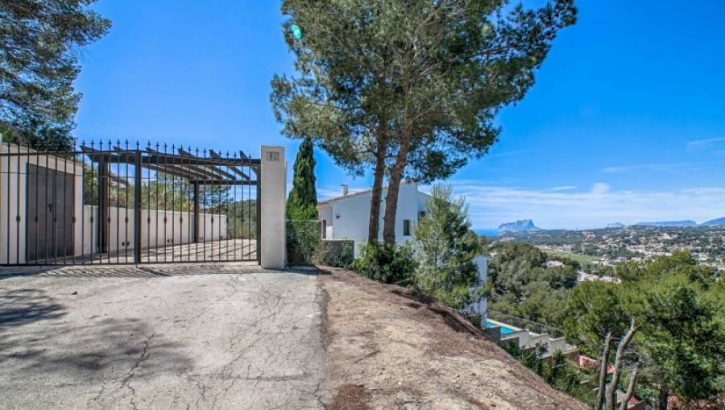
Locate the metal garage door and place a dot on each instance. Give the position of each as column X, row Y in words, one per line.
column 50, row 214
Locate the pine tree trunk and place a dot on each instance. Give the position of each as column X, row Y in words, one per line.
column 663, row 397
column 603, row 373
column 618, row 359
column 391, row 199
column 630, row 388
column 377, row 193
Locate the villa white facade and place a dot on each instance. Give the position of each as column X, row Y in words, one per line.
column 348, row 216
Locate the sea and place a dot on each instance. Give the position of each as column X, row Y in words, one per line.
column 488, row 233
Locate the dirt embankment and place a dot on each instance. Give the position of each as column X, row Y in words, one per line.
column 387, row 349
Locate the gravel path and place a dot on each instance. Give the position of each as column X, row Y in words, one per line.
column 247, row 341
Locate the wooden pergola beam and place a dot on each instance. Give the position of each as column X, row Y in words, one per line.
column 127, row 157
column 212, row 168
column 189, row 169
column 198, row 171
column 233, row 169
column 224, row 182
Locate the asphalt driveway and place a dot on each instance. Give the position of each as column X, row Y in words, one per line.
column 191, row 341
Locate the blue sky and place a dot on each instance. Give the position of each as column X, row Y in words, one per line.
column 626, row 121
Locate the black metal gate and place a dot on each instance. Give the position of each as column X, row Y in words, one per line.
column 112, row 203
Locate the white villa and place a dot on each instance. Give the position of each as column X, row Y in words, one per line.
column 347, row 216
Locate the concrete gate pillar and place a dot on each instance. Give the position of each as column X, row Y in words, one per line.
column 273, row 199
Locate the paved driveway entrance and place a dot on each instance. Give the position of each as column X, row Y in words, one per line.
column 152, row 341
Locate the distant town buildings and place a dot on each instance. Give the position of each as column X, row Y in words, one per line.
column 610, row 247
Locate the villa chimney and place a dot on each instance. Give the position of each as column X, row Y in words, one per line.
column 345, row 190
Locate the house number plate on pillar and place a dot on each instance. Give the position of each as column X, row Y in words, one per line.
column 272, row 155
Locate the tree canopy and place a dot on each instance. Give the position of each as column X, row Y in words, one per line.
column 409, row 87
column 524, row 287
column 38, row 65
column 594, row 310
column 678, row 310
column 662, row 328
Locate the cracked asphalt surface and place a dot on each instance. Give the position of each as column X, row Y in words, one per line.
column 250, row 341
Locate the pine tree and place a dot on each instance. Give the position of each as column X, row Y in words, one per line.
column 38, row 66
column 410, row 88
column 446, row 248
column 302, row 201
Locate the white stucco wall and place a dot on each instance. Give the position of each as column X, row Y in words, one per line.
column 153, row 234
column 348, row 217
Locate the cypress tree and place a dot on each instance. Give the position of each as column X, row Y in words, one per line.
column 302, row 201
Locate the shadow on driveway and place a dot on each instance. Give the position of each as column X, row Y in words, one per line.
column 23, row 306
column 35, row 340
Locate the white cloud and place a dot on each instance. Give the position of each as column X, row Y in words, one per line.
column 623, row 169
column 703, row 143
column 600, row 188
column 493, row 205
column 563, row 188
column 567, row 207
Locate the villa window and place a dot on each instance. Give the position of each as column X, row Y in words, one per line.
column 406, row 227
column 324, row 229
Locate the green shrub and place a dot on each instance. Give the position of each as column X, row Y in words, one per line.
column 339, row 254
column 386, row 263
column 447, row 249
column 303, row 238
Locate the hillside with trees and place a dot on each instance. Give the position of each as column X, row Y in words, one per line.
column 660, row 330
column 523, row 286
column 666, row 320
column 611, row 246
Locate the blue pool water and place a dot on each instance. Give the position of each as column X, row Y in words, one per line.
column 504, row 330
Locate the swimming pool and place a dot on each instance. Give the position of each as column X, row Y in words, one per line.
column 504, row 330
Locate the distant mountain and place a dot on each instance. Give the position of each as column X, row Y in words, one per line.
column 524, row 225
column 616, row 225
column 715, row 222
column 670, row 224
